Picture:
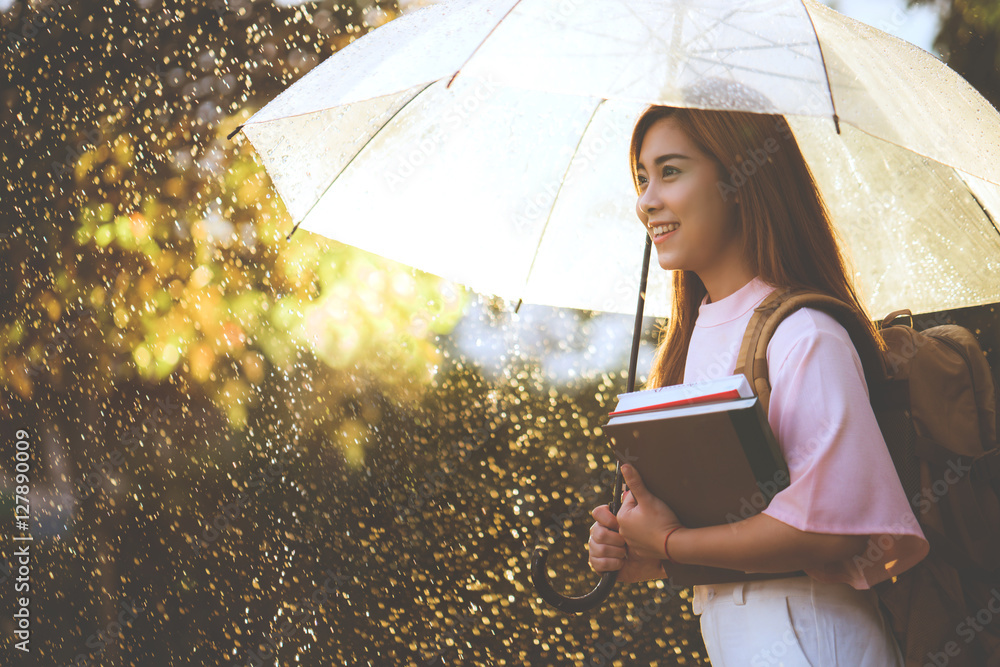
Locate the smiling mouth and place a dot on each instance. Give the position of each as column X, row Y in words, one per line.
column 660, row 232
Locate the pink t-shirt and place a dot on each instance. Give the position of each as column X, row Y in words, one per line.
column 842, row 477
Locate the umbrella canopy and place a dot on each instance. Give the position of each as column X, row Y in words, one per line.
column 486, row 141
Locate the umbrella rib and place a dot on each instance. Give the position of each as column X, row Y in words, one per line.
column 555, row 199
column 730, row 66
column 769, row 43
column 452, row 79
column 356, row 154
column 739, row 49
column 822, row 58
column 976, row 199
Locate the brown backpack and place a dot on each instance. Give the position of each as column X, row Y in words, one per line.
column 933, row 395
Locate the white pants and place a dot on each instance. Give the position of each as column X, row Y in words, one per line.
column 793, row 622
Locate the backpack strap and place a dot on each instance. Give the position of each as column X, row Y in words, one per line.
column 778, row 305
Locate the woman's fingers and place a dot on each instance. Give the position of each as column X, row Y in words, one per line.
column 606, row 564
column 606, row 557
column 607, row 547
column 604, row 517
column 605, row 550
column 601, row 535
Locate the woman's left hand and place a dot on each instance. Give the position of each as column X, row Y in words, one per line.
column 643, row 518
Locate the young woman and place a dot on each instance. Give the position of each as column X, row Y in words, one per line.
column 734, row 212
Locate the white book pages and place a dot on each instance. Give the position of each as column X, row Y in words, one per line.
column 689, row 392
column 683, row 411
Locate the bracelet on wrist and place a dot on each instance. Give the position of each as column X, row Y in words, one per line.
column 666, row 552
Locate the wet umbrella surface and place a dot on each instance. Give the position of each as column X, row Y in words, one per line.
column 241, row 450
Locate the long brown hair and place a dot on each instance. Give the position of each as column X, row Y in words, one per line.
column 786, row 233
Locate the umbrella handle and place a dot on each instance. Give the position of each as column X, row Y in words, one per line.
column 539, row 575
column 575, row 605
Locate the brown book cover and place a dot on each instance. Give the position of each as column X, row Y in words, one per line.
column 712, row 464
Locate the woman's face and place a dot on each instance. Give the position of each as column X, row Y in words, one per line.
column 678, row 186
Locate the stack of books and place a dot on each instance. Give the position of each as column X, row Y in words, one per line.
column 706, row 449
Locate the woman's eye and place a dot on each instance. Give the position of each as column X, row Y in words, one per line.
column 669, row 171
column 641, row 179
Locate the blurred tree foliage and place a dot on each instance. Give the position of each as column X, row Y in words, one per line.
column 130, row 215
column 969, row 41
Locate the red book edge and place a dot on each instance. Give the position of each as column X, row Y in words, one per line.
column 708, row 398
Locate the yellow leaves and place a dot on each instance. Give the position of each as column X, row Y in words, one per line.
column 84, row 165
column 199, row 231
column 97, row 296
column 124, row 150
column 368, row 311
column 131, row 232
column 203, row 308
column 142, row 357
column 105, row 235
column 88, row 219
column 13, row 333
column 51, row 305
column 181, row 296
column 121, row 231
column 201, row 359
column 138, row 225
column 103, row 212
column 112, row 174
column 171, row 354
column 232, row 338
column 233, row 399
column 351, row 438
column 176, row 289
column 404, row 284
column 251, row 190
column 121, row 318
column 16, row 376
column 175, row 187
column 200, row 277
column 145, row 286
column 252, row 364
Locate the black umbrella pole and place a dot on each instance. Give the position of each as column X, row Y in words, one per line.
column 539, row 574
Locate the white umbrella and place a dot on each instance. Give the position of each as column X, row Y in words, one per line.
column 479, row 140
column 486, row 141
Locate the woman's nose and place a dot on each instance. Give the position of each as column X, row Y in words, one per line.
column 648, row 201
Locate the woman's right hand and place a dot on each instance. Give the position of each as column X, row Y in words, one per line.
column 609, row 552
